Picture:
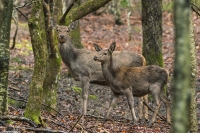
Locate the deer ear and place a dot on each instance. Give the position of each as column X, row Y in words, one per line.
column 73, row 25
column 97, row 47
column 112, row 47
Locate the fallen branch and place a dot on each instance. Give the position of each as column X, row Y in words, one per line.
column 44, row 130
column 76, row 123
column 16, row 118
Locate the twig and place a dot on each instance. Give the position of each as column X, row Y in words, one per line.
column 76, row 123
column 162, row 117
column 21, row 13
column 62, row 20
column 14, row 88
column 196, row 10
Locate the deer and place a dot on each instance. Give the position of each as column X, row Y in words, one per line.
column 84, row 69
column 133, row 82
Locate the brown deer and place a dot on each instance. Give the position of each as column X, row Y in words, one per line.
column 133, row 81
column 83, row 67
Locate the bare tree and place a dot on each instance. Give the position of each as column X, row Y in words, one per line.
column 6, row 7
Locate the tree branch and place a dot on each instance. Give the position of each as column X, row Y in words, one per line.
column 84, row 9
column 62, row 20
column 15, row 35
column 195, row 10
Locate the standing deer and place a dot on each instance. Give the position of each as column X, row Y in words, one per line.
column 82, row 66
column 133, row 81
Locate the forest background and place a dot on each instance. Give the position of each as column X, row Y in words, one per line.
column 100, row 29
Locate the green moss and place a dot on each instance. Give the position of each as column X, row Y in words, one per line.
column 93, row 97
column 167, row 6
column 15, row 103
column 77, row 89
column 76, row 38
column 9, row 122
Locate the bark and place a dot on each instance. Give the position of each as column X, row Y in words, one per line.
column 152, row 31
column 53, row 59
column 6, row 8
column 182, row 69
column 38, row 40
column 193, row 105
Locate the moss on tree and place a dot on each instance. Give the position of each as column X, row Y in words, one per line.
column 5, row 24
column 38, row 40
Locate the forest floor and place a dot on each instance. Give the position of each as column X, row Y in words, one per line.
column 103, row 31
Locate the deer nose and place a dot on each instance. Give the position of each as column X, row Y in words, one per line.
column 95, row 58
column 62, row 36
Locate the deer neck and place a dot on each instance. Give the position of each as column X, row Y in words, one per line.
column 68, row 53
column 108, row 70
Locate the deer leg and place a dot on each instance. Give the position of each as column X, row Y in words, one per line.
column 112, row 104
column 166, row 101
column 140, row 105
column 85, row 81
column 129, row 96
column 155, row 90
column 145, row 108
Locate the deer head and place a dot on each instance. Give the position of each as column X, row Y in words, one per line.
column 105, row 54
column 63, row 31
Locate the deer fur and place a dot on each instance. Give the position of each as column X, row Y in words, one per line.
column 82, row 66
column 133, row 81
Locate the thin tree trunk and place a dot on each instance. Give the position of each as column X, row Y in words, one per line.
column 50, row 85
column 38, row 40
column 6, row 8
column 152, row 31
column 182, row 69
column 193, row 105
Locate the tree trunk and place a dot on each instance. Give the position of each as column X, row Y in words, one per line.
column 6, row 8
column 182, row 69
column 114, row 8
column 152, row 31
column 53, row 59
column 193, row 114
column 38, row 40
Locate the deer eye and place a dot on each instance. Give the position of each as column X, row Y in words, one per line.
column 105, row 53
